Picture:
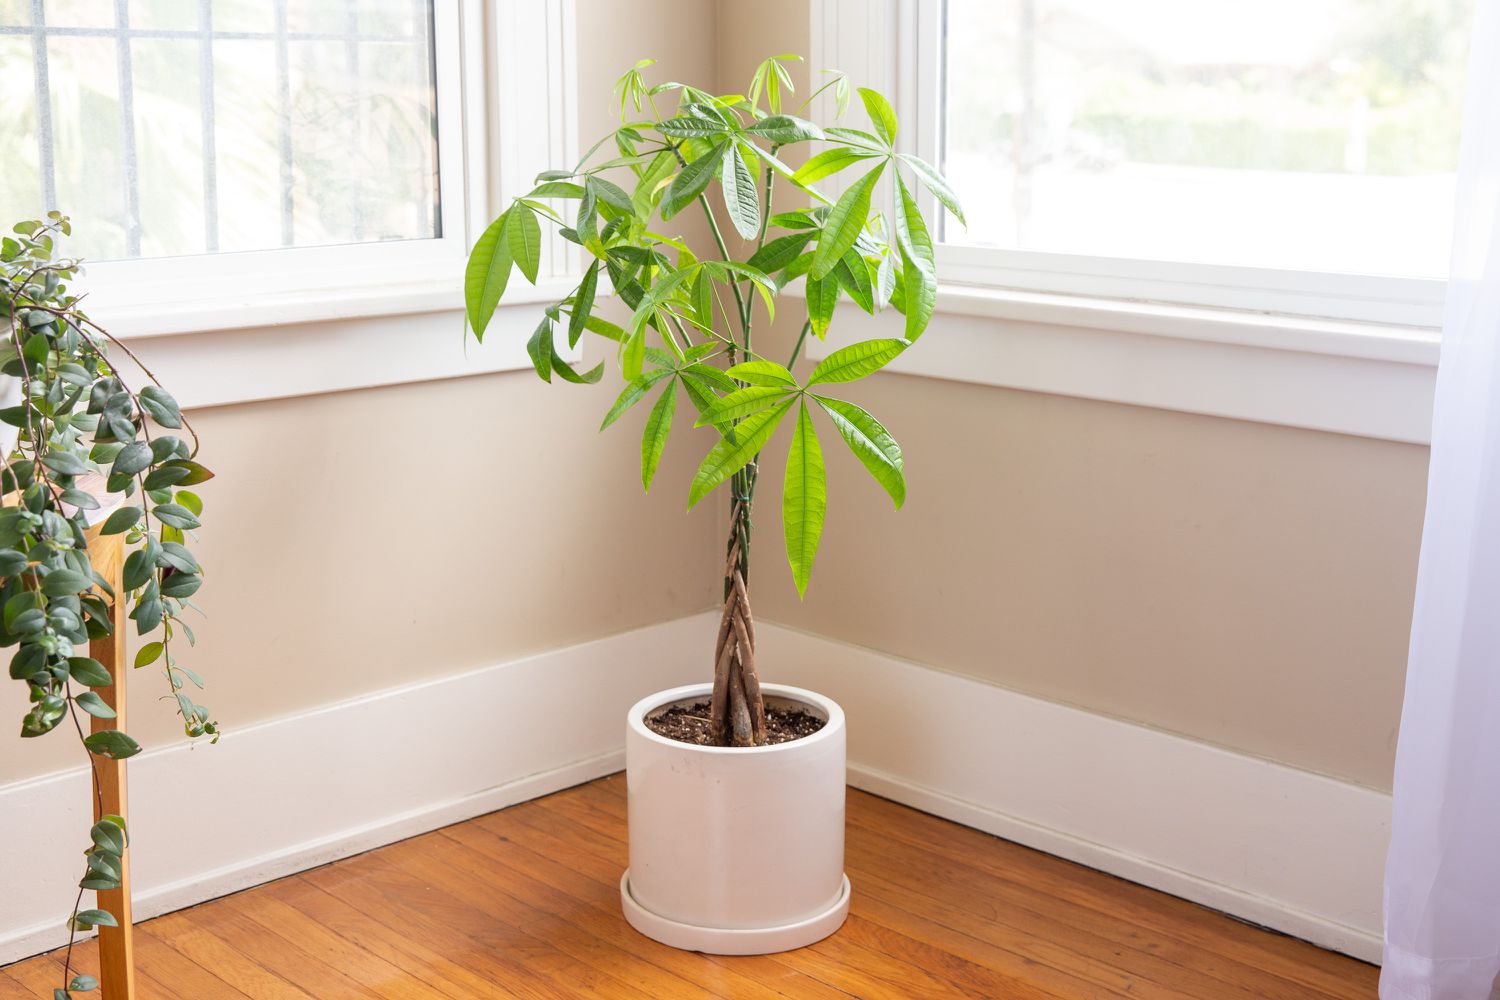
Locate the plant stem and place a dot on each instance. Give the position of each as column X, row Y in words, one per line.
column 734, row 285
column 801, row 339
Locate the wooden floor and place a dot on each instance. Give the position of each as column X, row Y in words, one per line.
column 525, row 903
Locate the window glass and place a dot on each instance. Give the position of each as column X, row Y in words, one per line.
column 170, row 127
column 1316, row 135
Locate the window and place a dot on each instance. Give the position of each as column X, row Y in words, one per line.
column 171, row 127
column 1290, row 157
column 1316, row 135
column 238, row 163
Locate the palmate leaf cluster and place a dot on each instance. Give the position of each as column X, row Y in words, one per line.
column 692, row 313
column 78, row 421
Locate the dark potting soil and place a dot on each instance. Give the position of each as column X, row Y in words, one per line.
column 690, row 724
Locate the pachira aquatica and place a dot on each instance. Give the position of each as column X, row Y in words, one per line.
column 691, row 331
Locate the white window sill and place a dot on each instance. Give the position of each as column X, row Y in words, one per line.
column 275, row 350
column 1365, row 379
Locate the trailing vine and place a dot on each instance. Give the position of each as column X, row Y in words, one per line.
column 88, row 441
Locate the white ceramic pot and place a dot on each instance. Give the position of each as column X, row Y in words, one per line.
column 736, row 851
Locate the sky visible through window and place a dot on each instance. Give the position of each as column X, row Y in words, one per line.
column 1305, row 134
column 170, row 127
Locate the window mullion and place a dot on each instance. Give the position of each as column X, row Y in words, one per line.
column 206, row 111
column 129, row 159
column 43, row 104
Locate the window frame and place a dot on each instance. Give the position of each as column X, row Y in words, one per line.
column 484, row 121
column 896, row 46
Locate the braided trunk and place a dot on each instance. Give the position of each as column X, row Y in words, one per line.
column 738, row 712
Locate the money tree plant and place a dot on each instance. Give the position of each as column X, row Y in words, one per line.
column 85, row 439
column 693, row 314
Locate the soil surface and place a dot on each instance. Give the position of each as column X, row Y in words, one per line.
column 690, row 724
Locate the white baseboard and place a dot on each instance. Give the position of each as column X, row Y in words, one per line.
column 1275, row 845
column 297, row 792
column 1282, row 847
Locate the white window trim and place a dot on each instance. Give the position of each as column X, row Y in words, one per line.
column 1347, row 353
column 232, row 328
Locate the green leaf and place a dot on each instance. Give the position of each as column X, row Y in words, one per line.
column 654, row 438
column 822, row 296
column 94, row 705
column 935, row 183
column 568, row 373
column 139, row 567
column 583, row 303
column 524, row 234
column 89, row 672
column 65, row 582
column 829, row 162
column 191, row 501
column 728, row 457
column 540, row 348
column 692, row 127
column 853, row 276
column 148, row 654
column 882, row 115
column 610, row 194
column 780, row 252
column 691, row 181
column 762, row 373
column 12, row 562
column 486, row 274
column 66, row 463
column 871, row 443
column 742, row 403
column 857, row 360
column 634, row 391
column 181, row 585
column 96, row 918
column 557, row 189
column 160, row 406
column 176, row 515
column 83, row 984
column 132, row 459
column 740, row 197
column 845, row 222
column 784, row 129
column 911, row 229
column 114, row 745
column 919, row 294
column 196, row 473
column 804, row 500
column 82, row 500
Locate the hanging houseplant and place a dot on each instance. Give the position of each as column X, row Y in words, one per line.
column 86, row 456
column 736, row 833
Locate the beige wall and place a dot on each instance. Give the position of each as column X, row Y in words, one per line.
column 422, row 530
column 1240, row 583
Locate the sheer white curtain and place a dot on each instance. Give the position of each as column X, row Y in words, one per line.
column 1442, row 888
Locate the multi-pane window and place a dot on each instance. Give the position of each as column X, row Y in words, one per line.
column 1313, row 135
column 176, row 127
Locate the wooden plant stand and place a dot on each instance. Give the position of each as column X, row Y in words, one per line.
column 116, row 947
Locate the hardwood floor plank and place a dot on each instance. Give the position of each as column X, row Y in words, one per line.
column 399, row 947
column 12, row 990
column 594, row 919
column 182, row 933
column 504, row 957
column 372, row 973
column 531, row 845
column 524, row 904
column 1154, row 912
